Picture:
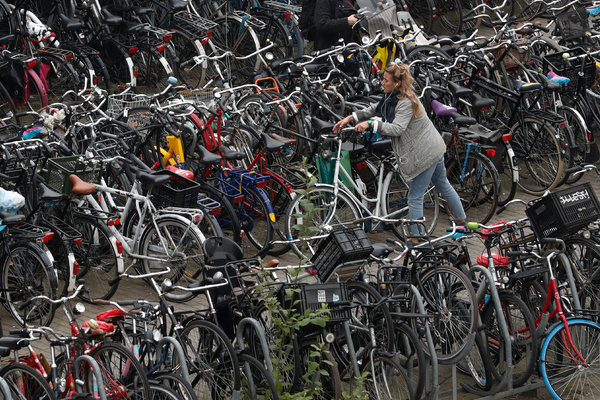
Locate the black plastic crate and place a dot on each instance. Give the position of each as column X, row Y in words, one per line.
column 571, row 68
column 341, row 246
column 564, row 212
column 313, row 296
column 177, row 192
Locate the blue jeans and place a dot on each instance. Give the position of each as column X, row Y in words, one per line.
column 418, row 186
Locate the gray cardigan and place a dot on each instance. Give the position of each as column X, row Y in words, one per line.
column 417, row 143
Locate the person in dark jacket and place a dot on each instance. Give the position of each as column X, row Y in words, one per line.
column 334, row 20
column 418, row 145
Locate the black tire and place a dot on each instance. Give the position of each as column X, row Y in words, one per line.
column 448, row 19
column 508, row 183
column 112, row 359
column 584, row 256
column 227, row 216
column 153, row 69
column 280, row 199
column 448, row 292
column 522, row 329
column 98, row 261
column 214, row 366
column 177, row 384
column 18, row 375
column 410, row 356
column 254, row 216
column 60, row 78
column 386, row 379
column 160, row 392
column 190, row 75
column 581, row 143
column 257, row 383
column 27, row 272
column 476, row 183
column 474, row 363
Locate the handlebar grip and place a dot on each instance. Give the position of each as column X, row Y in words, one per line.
column 18, row 332
column 551, row 240
column 101, row 302
column 127, row 302
column 516, row 253
column 500, row 210
column 573, row 169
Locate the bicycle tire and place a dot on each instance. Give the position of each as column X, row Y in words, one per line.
column 153, row 69
column 27, row 272
column 578, row 151
column 474, row 363
column 187, row 47
column 318, row 198
column 523, row 338
column 448, row 19
column 274, row 32
column 160, row 392
column 584, row 257
column 98, row 261
column 257, row 383
column 380, row 318
column 184, row 256
column 280, row 197
column 121, row 371
column 214, row 366
column 226, row 216
column 476, row 183
column 454, row 302
column 26, row 383
column 8, row 110
column 386, row 379
column 508, row 174
column 538, row 149
column 421, row 12
column 177, row 384
column 60, row 78
column 562, row 376
column 255, row 213
column 396, row 203
column 410, row 355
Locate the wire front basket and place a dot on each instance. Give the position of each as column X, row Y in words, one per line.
column 125, row 101
column 200, row 97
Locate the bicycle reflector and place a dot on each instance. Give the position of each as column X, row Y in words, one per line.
column 490, row 152
column 48, row 237
column 507, row 137
column 119, row 246
column 167, row 37
column 132, row 50
column 75, row 267
column 196, row 218
column 77, row 241
column 31, row 63
column 160, row 48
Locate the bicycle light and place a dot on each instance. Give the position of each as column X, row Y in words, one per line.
column 327, row 154
column 330, row 337
column 166, row 285
column 269, row 56
column 78, row 309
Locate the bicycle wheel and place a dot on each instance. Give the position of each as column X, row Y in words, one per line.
column 449, row 296
column 537, row 147
column 98, row 260
column 160, row 392
column 280, row 197
column 584, row 257
column 578, row 152
column 122, row 373
column 153, row 69
column 256, row 382
column 190, row 74
column 475, row 364
column 448, row 19
column 508, row 174
column 28, row 272
column 275, row 32
column 421, row 12
column 565, row 375
column 396, row 203
column 8, row 110
column 409, row 354
column 523, row 338
column 317, row 212
column 380, row 318
column 255, row 216
column 321, row 376
column 171, row 242
column 214, row 367
column 475, row 180
column 385, row 379
column 177, row 384
column 26, row 383
column 60, row 77
column 226, row 215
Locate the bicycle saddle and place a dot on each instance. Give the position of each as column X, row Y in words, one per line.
column 221, row 250
column 524, row 87
column 152, row 179
column 479, row 102
column 287, row 141
column 459, row 91
column 110, row 19
column 442, row 110
column 178, row 5
column 47, row 194
column 272, row 144
column 206, row 157
column 381, row 250
column 13, row 343
column 11, row 219
column 70, row 24
column 81, row 187
column 321, row 126
column 229, row 154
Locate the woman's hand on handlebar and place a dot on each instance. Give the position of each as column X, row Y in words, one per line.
column 362, row 126
column 337, row 128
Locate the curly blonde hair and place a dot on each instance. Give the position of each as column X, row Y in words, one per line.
column 401, row 73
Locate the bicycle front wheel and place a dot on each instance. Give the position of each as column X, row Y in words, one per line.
column 26, row 383
column 255, row 214
column 170, row 242
column 122, row 374
column 537, row 146
column 449, row 296
column 567, row 376
column 386, row 380
column 316, row 213
column 27, row 272
column 214, row 367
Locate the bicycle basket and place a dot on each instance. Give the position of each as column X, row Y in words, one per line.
column 313, row 296
column 177, row 192
column 564, row 212
column 572, row 24
column 570, row 69
column 59, row 169
column 340, row 247
column 121, row 101
column 522, row 55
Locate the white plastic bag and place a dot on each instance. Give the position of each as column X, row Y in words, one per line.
column 10, row 201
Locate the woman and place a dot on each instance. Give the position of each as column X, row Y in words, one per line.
column 418, row 146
